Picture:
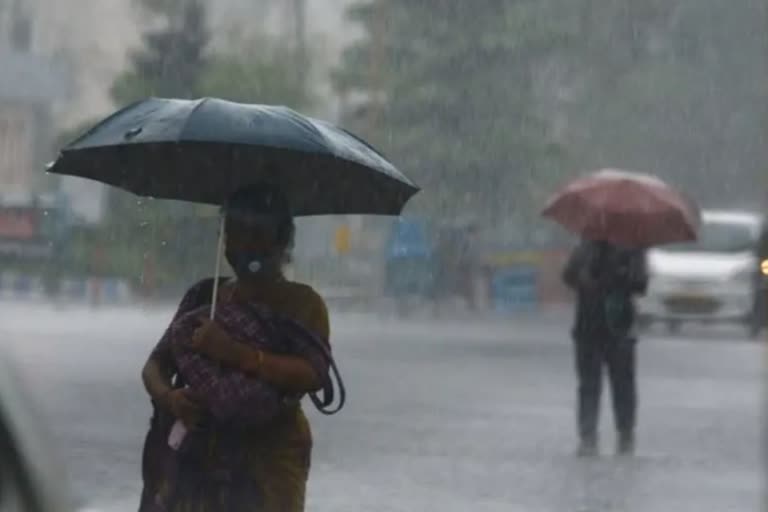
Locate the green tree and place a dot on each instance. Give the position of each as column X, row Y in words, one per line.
column 450, row 97
column 171, row 62
column 257, row 68
column 173, row 57
column 678, row 92
column 175, row 61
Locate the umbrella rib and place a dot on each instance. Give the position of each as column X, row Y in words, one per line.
column 200, row 103
column 102, row 123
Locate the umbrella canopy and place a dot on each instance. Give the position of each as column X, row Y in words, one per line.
column 203, row 150
column 624, row 208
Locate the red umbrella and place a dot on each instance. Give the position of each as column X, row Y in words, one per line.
column 624, row 208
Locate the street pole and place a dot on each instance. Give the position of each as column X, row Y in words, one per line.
column 300, row 40
column 375, row 71
column 376, row 77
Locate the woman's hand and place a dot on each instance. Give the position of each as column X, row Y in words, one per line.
column 182, row 404
column 212, row 341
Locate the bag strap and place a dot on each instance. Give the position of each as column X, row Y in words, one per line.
column 323, row 403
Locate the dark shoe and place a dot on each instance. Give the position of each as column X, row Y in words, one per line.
column 625, row 444
column 587, row 448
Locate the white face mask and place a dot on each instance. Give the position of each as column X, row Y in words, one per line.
column 245, row 264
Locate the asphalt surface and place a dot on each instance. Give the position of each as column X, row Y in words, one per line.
column 452, row 415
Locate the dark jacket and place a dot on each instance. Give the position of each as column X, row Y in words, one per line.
column 605, row 279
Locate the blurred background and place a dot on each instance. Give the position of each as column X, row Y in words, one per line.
column 489, row 106
column 488, row 110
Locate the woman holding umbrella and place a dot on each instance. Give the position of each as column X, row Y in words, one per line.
column 259, row 237
column 213, row 151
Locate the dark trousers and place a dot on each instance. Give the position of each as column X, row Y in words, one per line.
column 618, row 356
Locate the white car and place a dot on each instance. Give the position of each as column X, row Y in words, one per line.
column 711, row 280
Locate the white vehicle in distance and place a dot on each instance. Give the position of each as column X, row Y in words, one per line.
column 713, row 280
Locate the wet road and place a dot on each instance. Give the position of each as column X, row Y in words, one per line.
column 454, row 416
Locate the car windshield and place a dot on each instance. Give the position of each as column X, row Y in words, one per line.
column 720, row 237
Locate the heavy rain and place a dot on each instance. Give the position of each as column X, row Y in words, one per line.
column 522, row 243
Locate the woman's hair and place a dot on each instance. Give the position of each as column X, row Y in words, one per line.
column 264, row 200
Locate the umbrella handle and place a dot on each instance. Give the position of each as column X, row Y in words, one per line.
column 217, row 270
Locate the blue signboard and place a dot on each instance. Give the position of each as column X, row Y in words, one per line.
column 409, row 238
column 514, row 288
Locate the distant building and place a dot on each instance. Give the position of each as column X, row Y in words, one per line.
column 97, row 46
column 69, row 63
column 30, row 85
column 34, row 85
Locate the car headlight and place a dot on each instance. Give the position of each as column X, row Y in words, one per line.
column 764, row 267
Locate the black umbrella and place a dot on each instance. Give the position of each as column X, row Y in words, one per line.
column 203, row 150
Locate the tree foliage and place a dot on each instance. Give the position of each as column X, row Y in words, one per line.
column 173, row 56
column 177, row 59
column 257, row 69
column 490, row 104
column 679, row 92
column 450, row 96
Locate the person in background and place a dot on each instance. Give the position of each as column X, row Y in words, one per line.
column 605, row 279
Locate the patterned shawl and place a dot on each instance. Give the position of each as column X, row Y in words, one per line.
column 232, row 397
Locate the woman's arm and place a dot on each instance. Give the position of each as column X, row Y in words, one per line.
column 289, row 373
column 302, row 372
column 157, row 375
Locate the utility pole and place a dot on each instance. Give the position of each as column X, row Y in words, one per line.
column 20, row 28
column 300, row 39
column 365, row 227
column 376, row 64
